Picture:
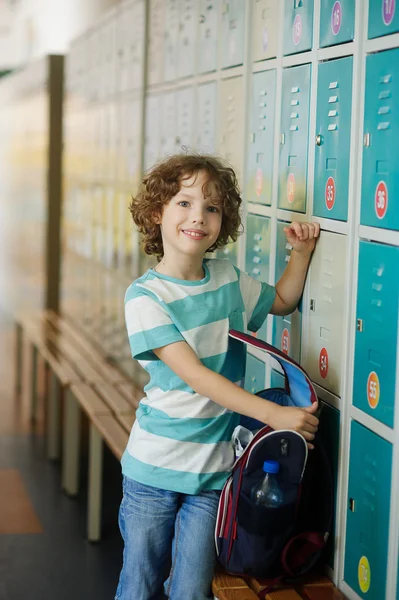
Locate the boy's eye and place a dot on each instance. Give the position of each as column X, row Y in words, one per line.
column 213, row 209
column 183, row 203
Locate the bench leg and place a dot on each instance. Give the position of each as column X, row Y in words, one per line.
column 18, row 358
column 33, row 383
column 95, row 485
column 53, row 425
column 71, row 443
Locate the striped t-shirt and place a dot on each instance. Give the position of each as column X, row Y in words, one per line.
column 180, row 440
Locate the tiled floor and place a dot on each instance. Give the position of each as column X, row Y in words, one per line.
column 43, row 551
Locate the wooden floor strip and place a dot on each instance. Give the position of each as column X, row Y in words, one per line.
column 17, row 514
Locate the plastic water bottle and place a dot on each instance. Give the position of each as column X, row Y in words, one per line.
column 267, row 491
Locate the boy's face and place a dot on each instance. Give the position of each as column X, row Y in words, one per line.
column 191, row 221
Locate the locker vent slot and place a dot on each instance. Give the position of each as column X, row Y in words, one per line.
column 386, row 79
column 332, row 127
column 332, row 113
column 332, row 99
column 294, row 102
column 383, row 126
column 333, row 85
column 294, row 90
column 384, row 95
column 383, row 110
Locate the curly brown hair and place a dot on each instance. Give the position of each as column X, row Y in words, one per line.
column 163, row 182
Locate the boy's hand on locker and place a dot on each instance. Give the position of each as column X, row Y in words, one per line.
column 302, row 236
column 301, row 420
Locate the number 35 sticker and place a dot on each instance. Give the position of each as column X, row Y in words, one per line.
column 373, row 390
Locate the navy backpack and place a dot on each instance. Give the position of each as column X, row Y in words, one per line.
column 285, row 542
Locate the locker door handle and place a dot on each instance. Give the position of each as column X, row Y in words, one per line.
column 352, row 505
column 359, row 325
column 366, row 140
column 319, row 139
column 313, row 305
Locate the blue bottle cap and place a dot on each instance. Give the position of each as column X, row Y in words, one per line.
column 271, row 466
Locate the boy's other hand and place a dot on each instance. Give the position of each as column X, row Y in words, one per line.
column 301, row 420
column 302, row 236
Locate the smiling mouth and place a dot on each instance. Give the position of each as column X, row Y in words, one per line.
column 195, row 235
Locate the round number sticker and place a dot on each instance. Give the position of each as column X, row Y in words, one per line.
column 291, row 188
column 388, row 11
column 373, row 390
column 330, row 193
column 363, row 574
column 336, row 18
column 285, row 341
column 323, row 363
column 297, row 30
column 381, row 199
column 258, row 181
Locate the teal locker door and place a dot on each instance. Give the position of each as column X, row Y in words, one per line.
column 333, row 130
column 229, row 251
column 298, row 26
column 208, row 36
column 277, row 380
column 367, row 527
column 380, row 178
column 258, row 247
column 329, row 433
column 383, row 18
column 287, row 329
column 254, row 374
column 337, row 22
column 294, row 129
column 233, row 18
column 376, row 335
column 261, row 138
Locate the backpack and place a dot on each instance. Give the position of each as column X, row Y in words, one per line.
column 285, row 542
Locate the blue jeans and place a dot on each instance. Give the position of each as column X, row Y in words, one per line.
column 170, row 536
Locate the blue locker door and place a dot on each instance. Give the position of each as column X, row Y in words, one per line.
column 298, row 26
column 294, row 129
column 254, row 374
column 287, row 329
column 367, row 527
column 333, row 129
column 261, row 138
column 208, row 36
column 337, row 22
column 376, row 335
column 383, row 18
column 233, row 18
column 380, row 178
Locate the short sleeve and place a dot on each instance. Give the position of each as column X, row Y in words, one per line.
column 148, row 325
column 258, row 298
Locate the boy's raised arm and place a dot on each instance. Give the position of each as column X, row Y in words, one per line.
column 185, row 363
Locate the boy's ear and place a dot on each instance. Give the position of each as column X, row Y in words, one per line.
column 157, row 218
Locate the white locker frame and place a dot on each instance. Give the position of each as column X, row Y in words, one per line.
column 358, row 48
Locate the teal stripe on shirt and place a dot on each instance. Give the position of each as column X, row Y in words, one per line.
column 176, row 481
column 194, row 430
column 142, row 342
column 262, row 308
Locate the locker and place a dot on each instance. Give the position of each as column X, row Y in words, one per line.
column 286, row 329
column 187, row 38
column 294, row 129
column 206, row 111
column 168, row 124
column 298, row 26
column 171, row 38
column 383, row 19
column 380, row 177
column 333, row 130
column 232, row 33
column 277, row 379
column 231, row 122
column 261, row 138
column 367, row 526
column 257, row 255
column 155, row 41
column 337, row 22
column 229, row 251
column 265, row 26
column 255, row 373
column 208, row 36
column 185, row 117
column 329, row 428
column 133, row 142
column 326, row 312
column 152, row 138
column 376, row 331
column 135, row 46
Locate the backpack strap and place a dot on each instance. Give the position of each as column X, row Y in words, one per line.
column 297, row 382
column 301, row 551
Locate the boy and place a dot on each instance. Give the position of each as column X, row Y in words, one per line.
column 178, row 316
